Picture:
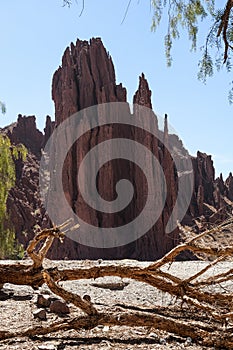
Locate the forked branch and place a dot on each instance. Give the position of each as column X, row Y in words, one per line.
column 214, row 309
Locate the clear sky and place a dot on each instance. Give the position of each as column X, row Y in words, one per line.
column 35, row 33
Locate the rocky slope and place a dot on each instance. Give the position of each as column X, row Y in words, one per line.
column 25, row 209
column 86, row 78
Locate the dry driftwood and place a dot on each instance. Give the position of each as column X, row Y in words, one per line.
column 213, row 310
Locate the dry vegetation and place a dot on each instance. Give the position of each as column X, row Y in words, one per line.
column 202, row 308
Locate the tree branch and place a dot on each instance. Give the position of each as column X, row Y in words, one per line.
column 211, row 308
column 223, row 27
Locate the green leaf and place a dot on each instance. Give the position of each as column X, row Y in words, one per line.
column 8, row 152
column 2, row 107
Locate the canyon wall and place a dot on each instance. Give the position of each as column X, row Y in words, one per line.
column 86, row 78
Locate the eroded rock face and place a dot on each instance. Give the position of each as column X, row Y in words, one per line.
column 211, row 197
column 25, row 131
column 48, row 130
column 86, row 78
column 24, row 205
column 229, row 187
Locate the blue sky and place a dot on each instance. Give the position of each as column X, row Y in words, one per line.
column 35, row 33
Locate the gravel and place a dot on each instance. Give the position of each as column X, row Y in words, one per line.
column 18, row 309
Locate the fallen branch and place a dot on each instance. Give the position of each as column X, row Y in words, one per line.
column 213, row 309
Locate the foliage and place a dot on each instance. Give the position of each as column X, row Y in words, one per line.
column 186, row 15
column 9, row 247
column 2, row 107
column 67, row 3
column 180, row 15
column 8, row 153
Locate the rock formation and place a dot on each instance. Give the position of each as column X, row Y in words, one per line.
column 26, row 132
column 24, row 204
column 86, row 78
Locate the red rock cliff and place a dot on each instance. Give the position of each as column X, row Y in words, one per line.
column 85, row 78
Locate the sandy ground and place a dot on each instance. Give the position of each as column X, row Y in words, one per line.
column 17, row 304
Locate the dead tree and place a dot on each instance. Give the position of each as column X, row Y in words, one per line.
column 213, row 325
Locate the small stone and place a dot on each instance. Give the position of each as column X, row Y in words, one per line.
column 153, row 335
column 59, row 307
column 188, row 341
column 104, row 343
column 41, row 314
column 106, row 329
column 43, row 301
column 162, row 341
column 47, row 347
column 87, row 297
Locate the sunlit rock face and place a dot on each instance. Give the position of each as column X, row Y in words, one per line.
column 86, row 78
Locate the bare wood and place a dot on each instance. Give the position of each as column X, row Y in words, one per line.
column 199, row 333
column 120, row 319
column 69, row 297
column 192, row 290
